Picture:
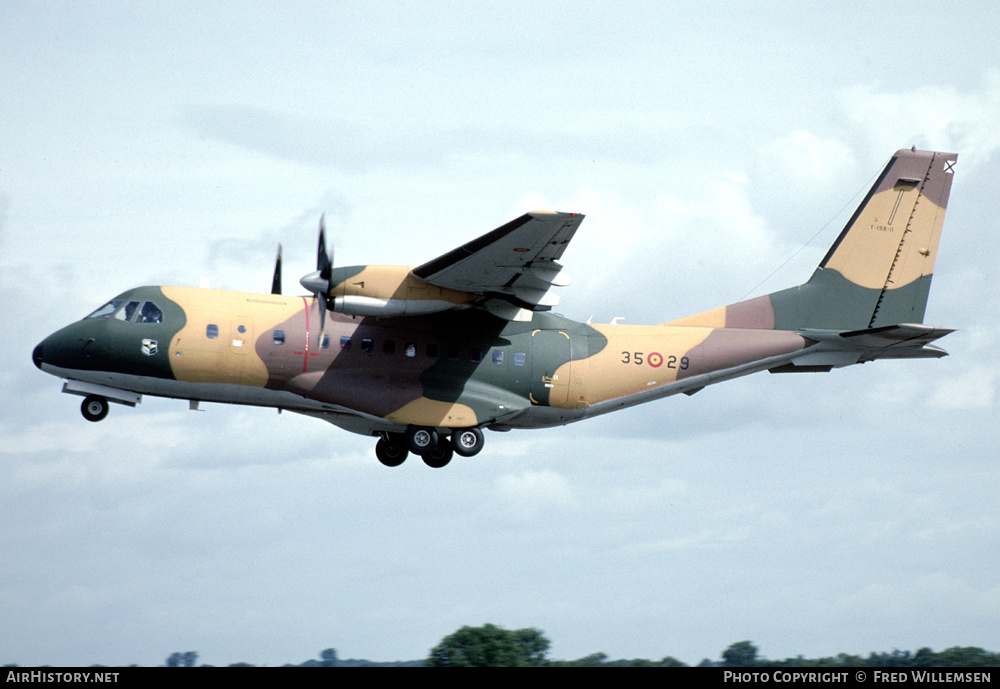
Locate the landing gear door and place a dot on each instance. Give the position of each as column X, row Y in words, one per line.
column 550, row 367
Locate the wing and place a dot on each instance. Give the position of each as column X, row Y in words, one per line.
column 513, row 268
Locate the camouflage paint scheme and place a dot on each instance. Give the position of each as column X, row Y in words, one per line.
column 450, row 345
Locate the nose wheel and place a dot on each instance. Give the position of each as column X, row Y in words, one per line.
column 94, row 408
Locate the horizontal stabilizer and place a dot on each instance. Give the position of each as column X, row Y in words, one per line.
column 904, row 335
column 904, row 341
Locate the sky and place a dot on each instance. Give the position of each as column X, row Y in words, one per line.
column 716, row 150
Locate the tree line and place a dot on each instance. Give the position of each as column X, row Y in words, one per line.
column 494, row 646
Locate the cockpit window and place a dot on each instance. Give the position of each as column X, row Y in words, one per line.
column 130, row 312
column 149, row 313
column 107, row 309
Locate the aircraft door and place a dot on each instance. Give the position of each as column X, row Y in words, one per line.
column 241, row 335
column 241, row 344
column 550, row 367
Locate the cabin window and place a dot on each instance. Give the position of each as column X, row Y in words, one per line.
column 433, row 351
column 325, row 343
column 389, row 347
column 498, row 357
column 475, row 355
column 279, row 337
column 345, row 343
column 411, row 349
column 367, row 345
column 519, row 358
column 212, row 331
column 453, row 353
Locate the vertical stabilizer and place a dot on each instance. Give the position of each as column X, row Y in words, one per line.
column 878, row 271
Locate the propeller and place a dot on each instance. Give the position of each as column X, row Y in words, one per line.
column 276, row 281
column 319, row 282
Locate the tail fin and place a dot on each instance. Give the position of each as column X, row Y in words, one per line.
column 878, row 272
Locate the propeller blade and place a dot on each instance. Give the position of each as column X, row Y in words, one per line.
column 276, row 281
column 319, row 282
column 324, row 260
column 322, row 323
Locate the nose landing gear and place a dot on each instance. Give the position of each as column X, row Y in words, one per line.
column 94, row 408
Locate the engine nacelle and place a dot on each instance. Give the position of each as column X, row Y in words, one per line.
column 391, row 291
column 387, row 291
column 387, row 308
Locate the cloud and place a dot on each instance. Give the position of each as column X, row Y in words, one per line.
column 675, row 527
column 930, row 117
column 974, row 389
column 356, row 147
column 533, row 492
column 807, row 158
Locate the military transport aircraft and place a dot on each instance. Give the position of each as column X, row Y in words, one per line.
column 425, row 358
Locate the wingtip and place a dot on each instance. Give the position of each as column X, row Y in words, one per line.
column 549, row 212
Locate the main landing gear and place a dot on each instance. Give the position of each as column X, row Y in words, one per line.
column 436, row 450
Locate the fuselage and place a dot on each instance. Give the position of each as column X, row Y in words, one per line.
column 428, row 356
column 450, row 370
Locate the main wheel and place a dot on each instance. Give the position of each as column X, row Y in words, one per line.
column 421, row 439
column 94, row 408
column 467, row 441
column 391, row 453
column 439, row 456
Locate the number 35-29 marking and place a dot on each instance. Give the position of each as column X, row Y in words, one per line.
column 655, row 359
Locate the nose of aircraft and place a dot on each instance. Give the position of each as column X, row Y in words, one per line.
column 37, row 356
